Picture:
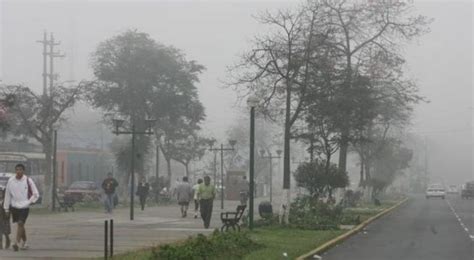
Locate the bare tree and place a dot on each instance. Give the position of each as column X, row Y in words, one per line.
column 359, row 30
column 37, row 116
column 276, row 70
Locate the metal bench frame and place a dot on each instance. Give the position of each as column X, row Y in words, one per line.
column 231, row 219
column 65, row 202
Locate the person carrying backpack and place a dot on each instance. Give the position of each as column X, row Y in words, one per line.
column 20, row 193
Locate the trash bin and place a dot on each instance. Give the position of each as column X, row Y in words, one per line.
column 265, row 209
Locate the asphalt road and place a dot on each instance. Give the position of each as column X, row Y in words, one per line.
column 422, row 229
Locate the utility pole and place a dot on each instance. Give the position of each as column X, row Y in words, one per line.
column 45, row 43
column 49, row 128
column 55, row 170
column 52, row 55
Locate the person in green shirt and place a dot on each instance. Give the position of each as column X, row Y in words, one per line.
column 206, row 195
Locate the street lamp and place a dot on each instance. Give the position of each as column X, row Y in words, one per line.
column 211, row 144
column 158, row 133
column 118, row 123
column 270, row 157
column 252, row 102
column 222, row 149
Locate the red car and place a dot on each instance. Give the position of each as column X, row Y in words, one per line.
column 83, row 191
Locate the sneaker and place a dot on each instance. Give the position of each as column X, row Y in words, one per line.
column 24, row 246
column 15, row 247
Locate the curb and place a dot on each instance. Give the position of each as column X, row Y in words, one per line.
column 348, row 234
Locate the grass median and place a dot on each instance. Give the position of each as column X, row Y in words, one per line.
column 268, row 243
column 264, row 242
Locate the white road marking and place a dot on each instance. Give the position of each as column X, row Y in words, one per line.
column 460, row 221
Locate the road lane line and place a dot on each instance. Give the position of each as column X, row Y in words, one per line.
column 460, row 220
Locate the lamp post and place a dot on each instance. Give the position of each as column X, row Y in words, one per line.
column 222, row 149
column 252, row 102
column 158, row 135
column 270, row 157
column 119, row 124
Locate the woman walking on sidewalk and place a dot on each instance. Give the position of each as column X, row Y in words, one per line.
column 196, row 198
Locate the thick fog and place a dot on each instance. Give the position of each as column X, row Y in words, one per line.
column 214, row 33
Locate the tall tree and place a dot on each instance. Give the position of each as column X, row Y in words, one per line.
column 138, row 78
column 5, row 104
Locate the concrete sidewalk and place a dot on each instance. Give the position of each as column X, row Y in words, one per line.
column 75, row 235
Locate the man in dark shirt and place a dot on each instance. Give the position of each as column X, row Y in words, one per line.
column 142, row 191
column 109, row 185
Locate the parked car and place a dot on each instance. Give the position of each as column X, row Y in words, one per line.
column 467, row 191
column 435, row 191
column 4, row 177
column 83, row 191
column 453, row 189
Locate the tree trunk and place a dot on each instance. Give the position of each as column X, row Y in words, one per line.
column 186, row 166
column 47, row 187
column 361, row 180
column 343, row 152
column 285, row 204
column 168, row 167
column 367, row 171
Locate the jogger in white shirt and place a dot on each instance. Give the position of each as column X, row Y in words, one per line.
column 20, row 192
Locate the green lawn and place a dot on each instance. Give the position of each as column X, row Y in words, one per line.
column 294, row 242
column 275, row 241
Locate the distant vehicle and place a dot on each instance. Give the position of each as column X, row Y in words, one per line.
column 4, row 177
column 35, row 164
column 453, row 189
column 435, row 191
column 468, row 190
column 83, row 191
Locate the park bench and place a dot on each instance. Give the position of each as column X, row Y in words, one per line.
column 231, row 219
column 65, row 202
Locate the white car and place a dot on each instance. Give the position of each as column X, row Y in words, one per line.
column 435, row 191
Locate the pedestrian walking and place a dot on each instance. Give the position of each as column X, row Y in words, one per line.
column 206, row 195
column 20, row 193
column 5, row 228
column 244, row 191
column 196, row 198
column 142, row 192
column 184, row 193
column 109, row 185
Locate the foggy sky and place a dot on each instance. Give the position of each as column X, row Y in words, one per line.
column 215, row 32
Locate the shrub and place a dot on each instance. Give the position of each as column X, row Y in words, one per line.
column 218, row 244
column 319, row 179
column 351, row 198
column 309, row 213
